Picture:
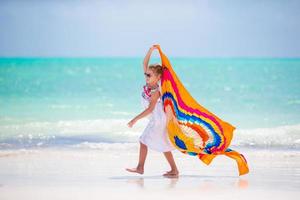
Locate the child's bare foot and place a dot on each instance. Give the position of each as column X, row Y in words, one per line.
column 171, row 174
column 136, row 170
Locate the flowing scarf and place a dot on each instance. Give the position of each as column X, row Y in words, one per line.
column 191, row 128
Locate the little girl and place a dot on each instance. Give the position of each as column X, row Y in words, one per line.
column 154, row 135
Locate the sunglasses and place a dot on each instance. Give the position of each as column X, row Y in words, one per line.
column 148, row 75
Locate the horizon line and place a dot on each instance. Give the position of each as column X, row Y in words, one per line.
column 154, row 57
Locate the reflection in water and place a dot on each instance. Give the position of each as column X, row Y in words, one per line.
column 207, row 183
column 172, row 182
column 216, row 183
column 137, row 181
column 140, row 181
column 243, row 183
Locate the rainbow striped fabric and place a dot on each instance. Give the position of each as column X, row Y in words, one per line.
column 192, row 129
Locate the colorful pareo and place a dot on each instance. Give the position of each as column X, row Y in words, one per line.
column 191, row 128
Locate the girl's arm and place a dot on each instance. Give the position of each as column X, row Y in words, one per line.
column 151, row 106
column 147, row 58
column 153, row 101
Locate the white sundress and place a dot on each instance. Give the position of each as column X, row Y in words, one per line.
column 155, row 134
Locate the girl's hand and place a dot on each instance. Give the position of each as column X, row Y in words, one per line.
column 131, row 123
column 152, row 48
column 155, row 46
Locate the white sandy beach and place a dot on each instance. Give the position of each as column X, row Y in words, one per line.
column 72, row 76
column 100, row 174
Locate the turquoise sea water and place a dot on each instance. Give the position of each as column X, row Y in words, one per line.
column 43, row 96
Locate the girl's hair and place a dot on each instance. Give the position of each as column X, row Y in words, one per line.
column 157, row 68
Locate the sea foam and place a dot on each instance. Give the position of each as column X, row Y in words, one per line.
column 93, row 133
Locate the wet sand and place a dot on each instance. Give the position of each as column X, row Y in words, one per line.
column 100, row 174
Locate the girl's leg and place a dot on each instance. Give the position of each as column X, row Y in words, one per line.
column 174, row 171
column 142, row 157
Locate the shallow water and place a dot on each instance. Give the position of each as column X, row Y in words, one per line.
column 74, row 101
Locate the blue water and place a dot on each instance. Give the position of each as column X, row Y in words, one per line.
column 39, row 95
